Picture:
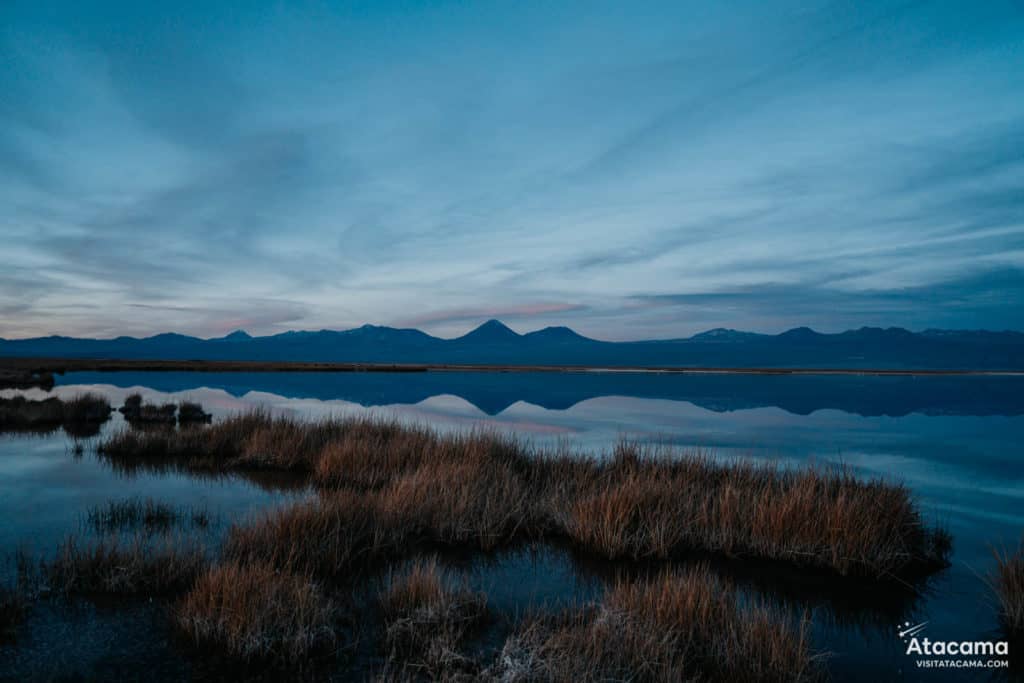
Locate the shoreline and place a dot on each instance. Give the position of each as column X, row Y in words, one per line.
column 62, row 365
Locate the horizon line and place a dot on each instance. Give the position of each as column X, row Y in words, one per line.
column 492, row 321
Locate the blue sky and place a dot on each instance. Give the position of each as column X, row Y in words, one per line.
column 632, row 170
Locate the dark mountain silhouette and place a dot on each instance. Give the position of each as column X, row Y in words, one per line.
column 494, row 343
column 236, row 336
column 556, row 335
column 491, row 332
column 723, row 336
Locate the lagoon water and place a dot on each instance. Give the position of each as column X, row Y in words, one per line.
column 955, row 441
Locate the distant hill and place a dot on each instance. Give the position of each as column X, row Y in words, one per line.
column 494, row 343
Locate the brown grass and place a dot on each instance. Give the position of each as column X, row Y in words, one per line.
column 473, row 492
column 428, row 616
column 330, row 538
column 346, row 531
column 651, row 504
column 372, row 456
column 253, row 440
column 1009, row 587
column 131, row 565
column 256, row 612
column 485, row 489
column 677, row 626
column 206, row 448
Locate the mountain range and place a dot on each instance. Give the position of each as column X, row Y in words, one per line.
column 494, row 343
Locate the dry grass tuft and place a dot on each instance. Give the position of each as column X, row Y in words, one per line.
column 428, row 617
column 371, row 457
column 331, row 538
column 257, row 612
column 678, row 626
column 1009, row 587
column 217, row 447
column 474, row 501
column 651, row 504
column 484, row 490
column 136, row 565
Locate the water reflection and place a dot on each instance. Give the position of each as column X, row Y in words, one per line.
column 961, row 463
column 953, row 441
column 494, row 393
column 47, row 488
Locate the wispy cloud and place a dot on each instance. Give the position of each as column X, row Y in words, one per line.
column 992, row 299
column 759, row 166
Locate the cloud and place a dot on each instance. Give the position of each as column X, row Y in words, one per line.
column 969, row 156
column 992, row 299
column 202, row 168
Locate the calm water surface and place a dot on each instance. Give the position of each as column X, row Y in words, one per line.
column 956, row 442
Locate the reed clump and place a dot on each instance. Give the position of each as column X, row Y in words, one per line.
column 333, row 538
column 370, row 458
column 1008, row 583
column 257, row 612
column 428, row 616
column 137, row 412
column 216, row 447
column 679, row 625
column 345, row 531
column 125, row 565
column 651, row 504
column 78, row 412
column 85, row 408
column 253, row 440
column 192, row 413
column 485, row 489
column 15, row 378
column 473, row 492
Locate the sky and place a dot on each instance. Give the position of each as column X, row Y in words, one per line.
column 632, row 170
